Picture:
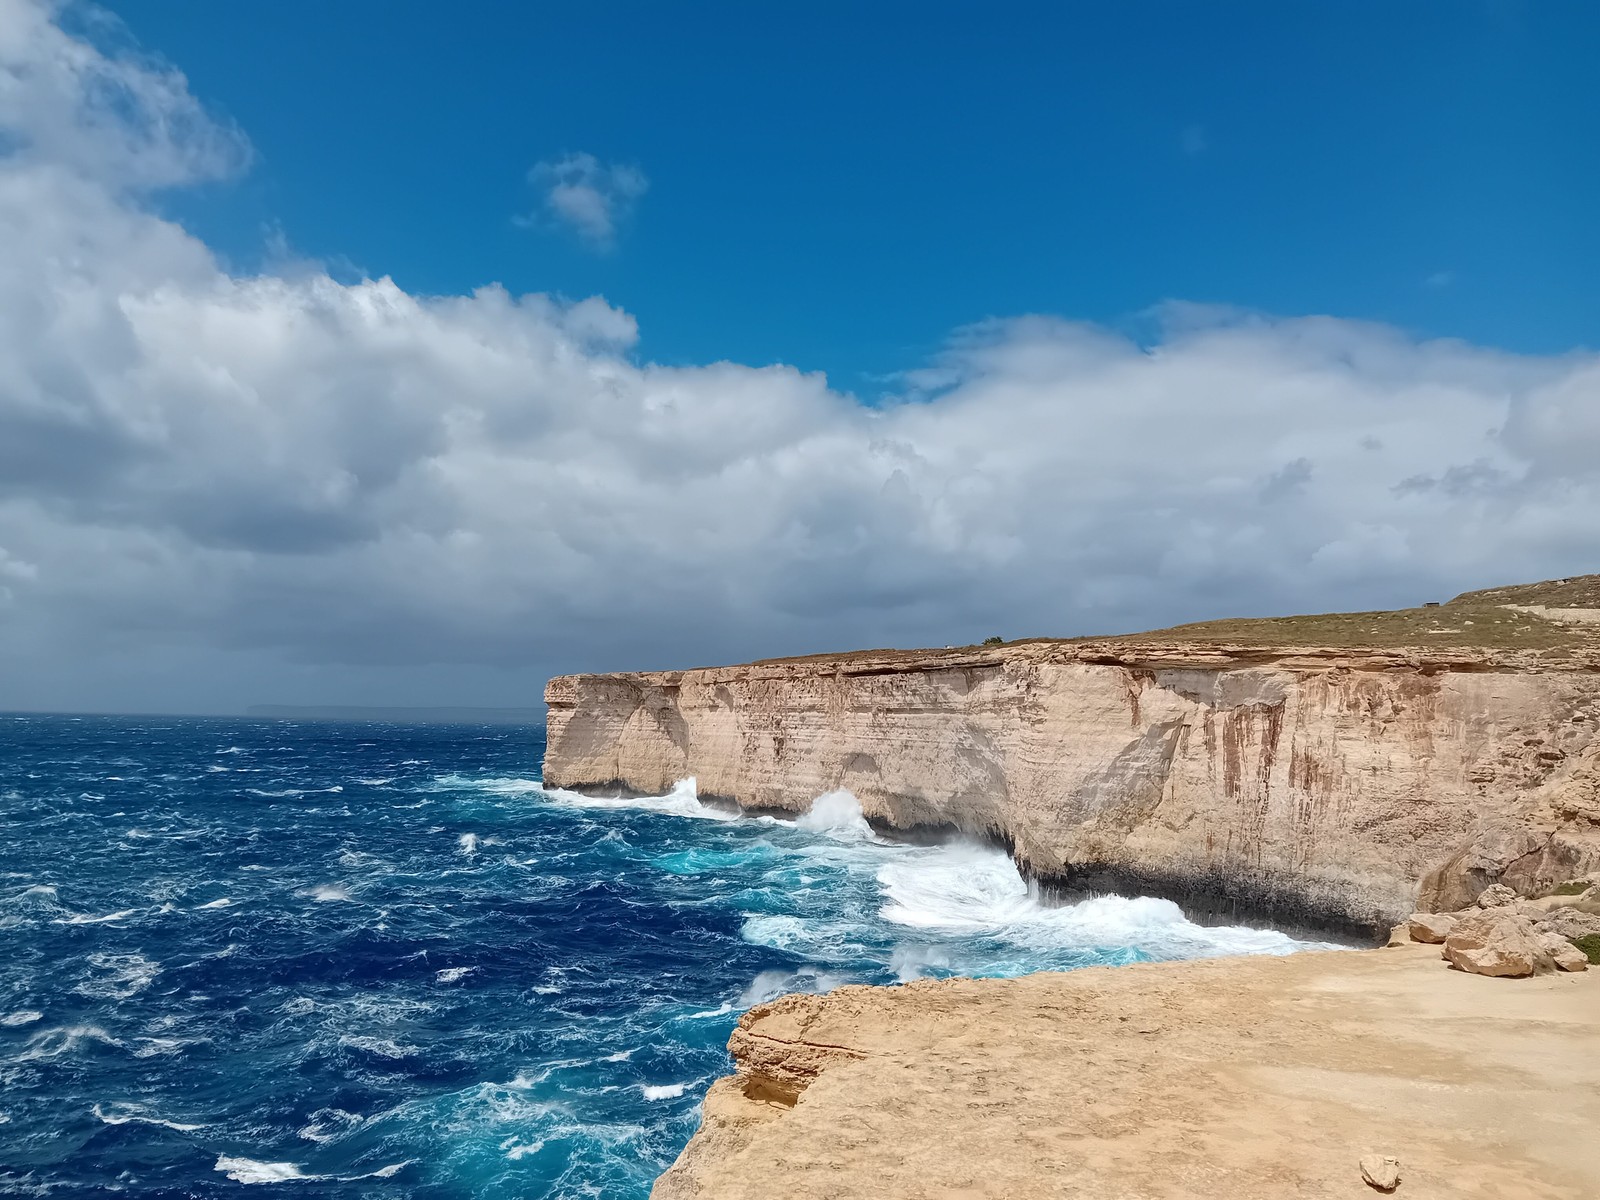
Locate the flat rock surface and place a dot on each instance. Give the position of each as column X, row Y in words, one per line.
column 1244, row 1077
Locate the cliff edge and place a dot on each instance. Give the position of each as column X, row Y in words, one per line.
column 1250, row 1078
column 1334, row 771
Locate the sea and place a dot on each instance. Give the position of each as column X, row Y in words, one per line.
column 377, row 960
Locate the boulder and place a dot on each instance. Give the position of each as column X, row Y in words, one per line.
column 1381, row 1171
column 1430, row 928
column 1563, row 953
column 1398, row 937
column 1496, row 942
column 1496, row 895
column 1569, row 923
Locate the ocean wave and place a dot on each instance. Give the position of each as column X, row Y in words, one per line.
column 662, row 1091
column 121, row 976
column 967, row 889
column 682, row 801
column 250, row 1170
column 125, row 1112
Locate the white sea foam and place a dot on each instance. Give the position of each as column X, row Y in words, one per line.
column 682, row 801
column 250, row 1170
column 329, row 1124
column 25, row 1016
column 120, row 976
column 119, row 1113
column 451, row 974
column 468, row 843
column 49, row 1043
column 836, row 814
column 966, row 889
column 382, row 1047
column 664, row 1091
column 326, row 893
column 769, row 985
column 224, row 902
column 87, row 919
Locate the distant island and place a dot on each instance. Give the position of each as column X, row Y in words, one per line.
column 396, row 715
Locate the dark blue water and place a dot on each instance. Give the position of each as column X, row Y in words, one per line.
column 379, row 960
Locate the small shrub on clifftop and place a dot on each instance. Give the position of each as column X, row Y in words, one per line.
column 994, row 641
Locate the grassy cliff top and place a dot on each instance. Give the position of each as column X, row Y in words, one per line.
column 1566, row 619
column 1494, row 619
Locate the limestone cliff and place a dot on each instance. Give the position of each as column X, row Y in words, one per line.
column 1225, row 767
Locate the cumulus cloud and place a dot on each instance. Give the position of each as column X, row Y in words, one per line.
column 298, row 470
column 587, row 196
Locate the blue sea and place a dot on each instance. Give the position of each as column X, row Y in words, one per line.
column 381, row 960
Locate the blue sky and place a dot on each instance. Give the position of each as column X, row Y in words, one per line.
column 838, row 186
column 358, row 353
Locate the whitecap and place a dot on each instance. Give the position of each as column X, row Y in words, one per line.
column 225, row 902
column 123, row 976
column 682, row 801
column 382, row 1047
column 451, row 974
column 122, row 1113
column 664, row 1091
column 86, row 919
column 250, row 1170
column 48, row 1043
column 326, row 893
column 329, row 1124
column 26, row 1016
column 468, row 843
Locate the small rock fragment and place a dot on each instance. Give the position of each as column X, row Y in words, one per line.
column 1381, row 1171
column 1430, row 928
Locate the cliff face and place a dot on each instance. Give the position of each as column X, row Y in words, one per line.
column 1306, row 785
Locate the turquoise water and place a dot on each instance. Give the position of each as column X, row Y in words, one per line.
column 374, row 960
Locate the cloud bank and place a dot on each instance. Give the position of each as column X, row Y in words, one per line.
column 289, row 469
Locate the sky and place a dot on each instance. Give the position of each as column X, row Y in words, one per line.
column 349, row 355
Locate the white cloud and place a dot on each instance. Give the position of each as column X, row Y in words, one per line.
column 588, row 196
column 206, row 469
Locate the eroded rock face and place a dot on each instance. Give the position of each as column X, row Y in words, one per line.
column 1333, row 787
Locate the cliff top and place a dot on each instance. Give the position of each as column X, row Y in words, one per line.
column 1553, row 619
column 1551, row 624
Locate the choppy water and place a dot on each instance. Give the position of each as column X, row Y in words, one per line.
column 369, row 960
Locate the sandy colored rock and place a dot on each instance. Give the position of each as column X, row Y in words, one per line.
column 1381, row 1171
column 1430, row 928
column 1269, row 1078
column 1496, row 942
column 1561, row 952
column 1570, row 922
column 1497, row 895
column 1301, row 783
